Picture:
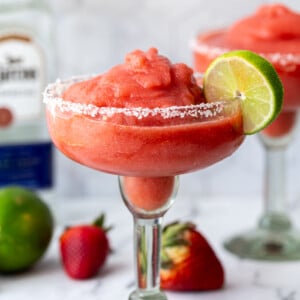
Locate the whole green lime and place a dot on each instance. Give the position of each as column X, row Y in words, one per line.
column 26, row 227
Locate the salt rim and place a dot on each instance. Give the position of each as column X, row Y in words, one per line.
column 287, row 61
column 53, row 92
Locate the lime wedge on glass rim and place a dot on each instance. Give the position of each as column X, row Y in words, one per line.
column 244, row 75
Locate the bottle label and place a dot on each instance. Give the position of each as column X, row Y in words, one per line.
column 21, row 78
column 28, row 165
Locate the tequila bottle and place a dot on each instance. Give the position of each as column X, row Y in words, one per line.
column 26, row 65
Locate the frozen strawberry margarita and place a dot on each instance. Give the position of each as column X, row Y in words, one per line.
column 143, row 118
column 154, row 142
column 273, row 31
column 147, row 121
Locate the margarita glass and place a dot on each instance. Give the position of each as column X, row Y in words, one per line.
column 147, row 148
column 273, row 32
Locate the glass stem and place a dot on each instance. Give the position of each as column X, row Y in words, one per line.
column 147, row 242
column 275, row 211
column 275, row 181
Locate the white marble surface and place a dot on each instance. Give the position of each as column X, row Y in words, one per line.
column 216, row 218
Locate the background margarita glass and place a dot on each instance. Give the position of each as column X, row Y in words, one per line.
column 147, row 149
column 273, row 32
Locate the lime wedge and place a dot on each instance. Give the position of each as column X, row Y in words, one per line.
column 244, row 75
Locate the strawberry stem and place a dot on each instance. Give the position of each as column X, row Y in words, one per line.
column 173, row 234
column 100, row 222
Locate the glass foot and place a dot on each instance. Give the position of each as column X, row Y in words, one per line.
column 266, row 245
column 140, row 295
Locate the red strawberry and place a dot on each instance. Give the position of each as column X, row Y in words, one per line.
column 188, row 261
column 84, row 249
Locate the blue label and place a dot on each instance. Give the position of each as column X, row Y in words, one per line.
column 29, row 165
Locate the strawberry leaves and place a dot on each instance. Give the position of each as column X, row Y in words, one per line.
column 188, row 262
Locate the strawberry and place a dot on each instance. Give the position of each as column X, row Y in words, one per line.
column 188, row 262
column 84, row 249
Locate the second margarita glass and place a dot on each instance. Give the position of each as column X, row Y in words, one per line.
column 273, row 31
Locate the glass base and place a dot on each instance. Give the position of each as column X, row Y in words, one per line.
column 139, row 295
column 266, row 245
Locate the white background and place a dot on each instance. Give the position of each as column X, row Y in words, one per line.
column 93, row 35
